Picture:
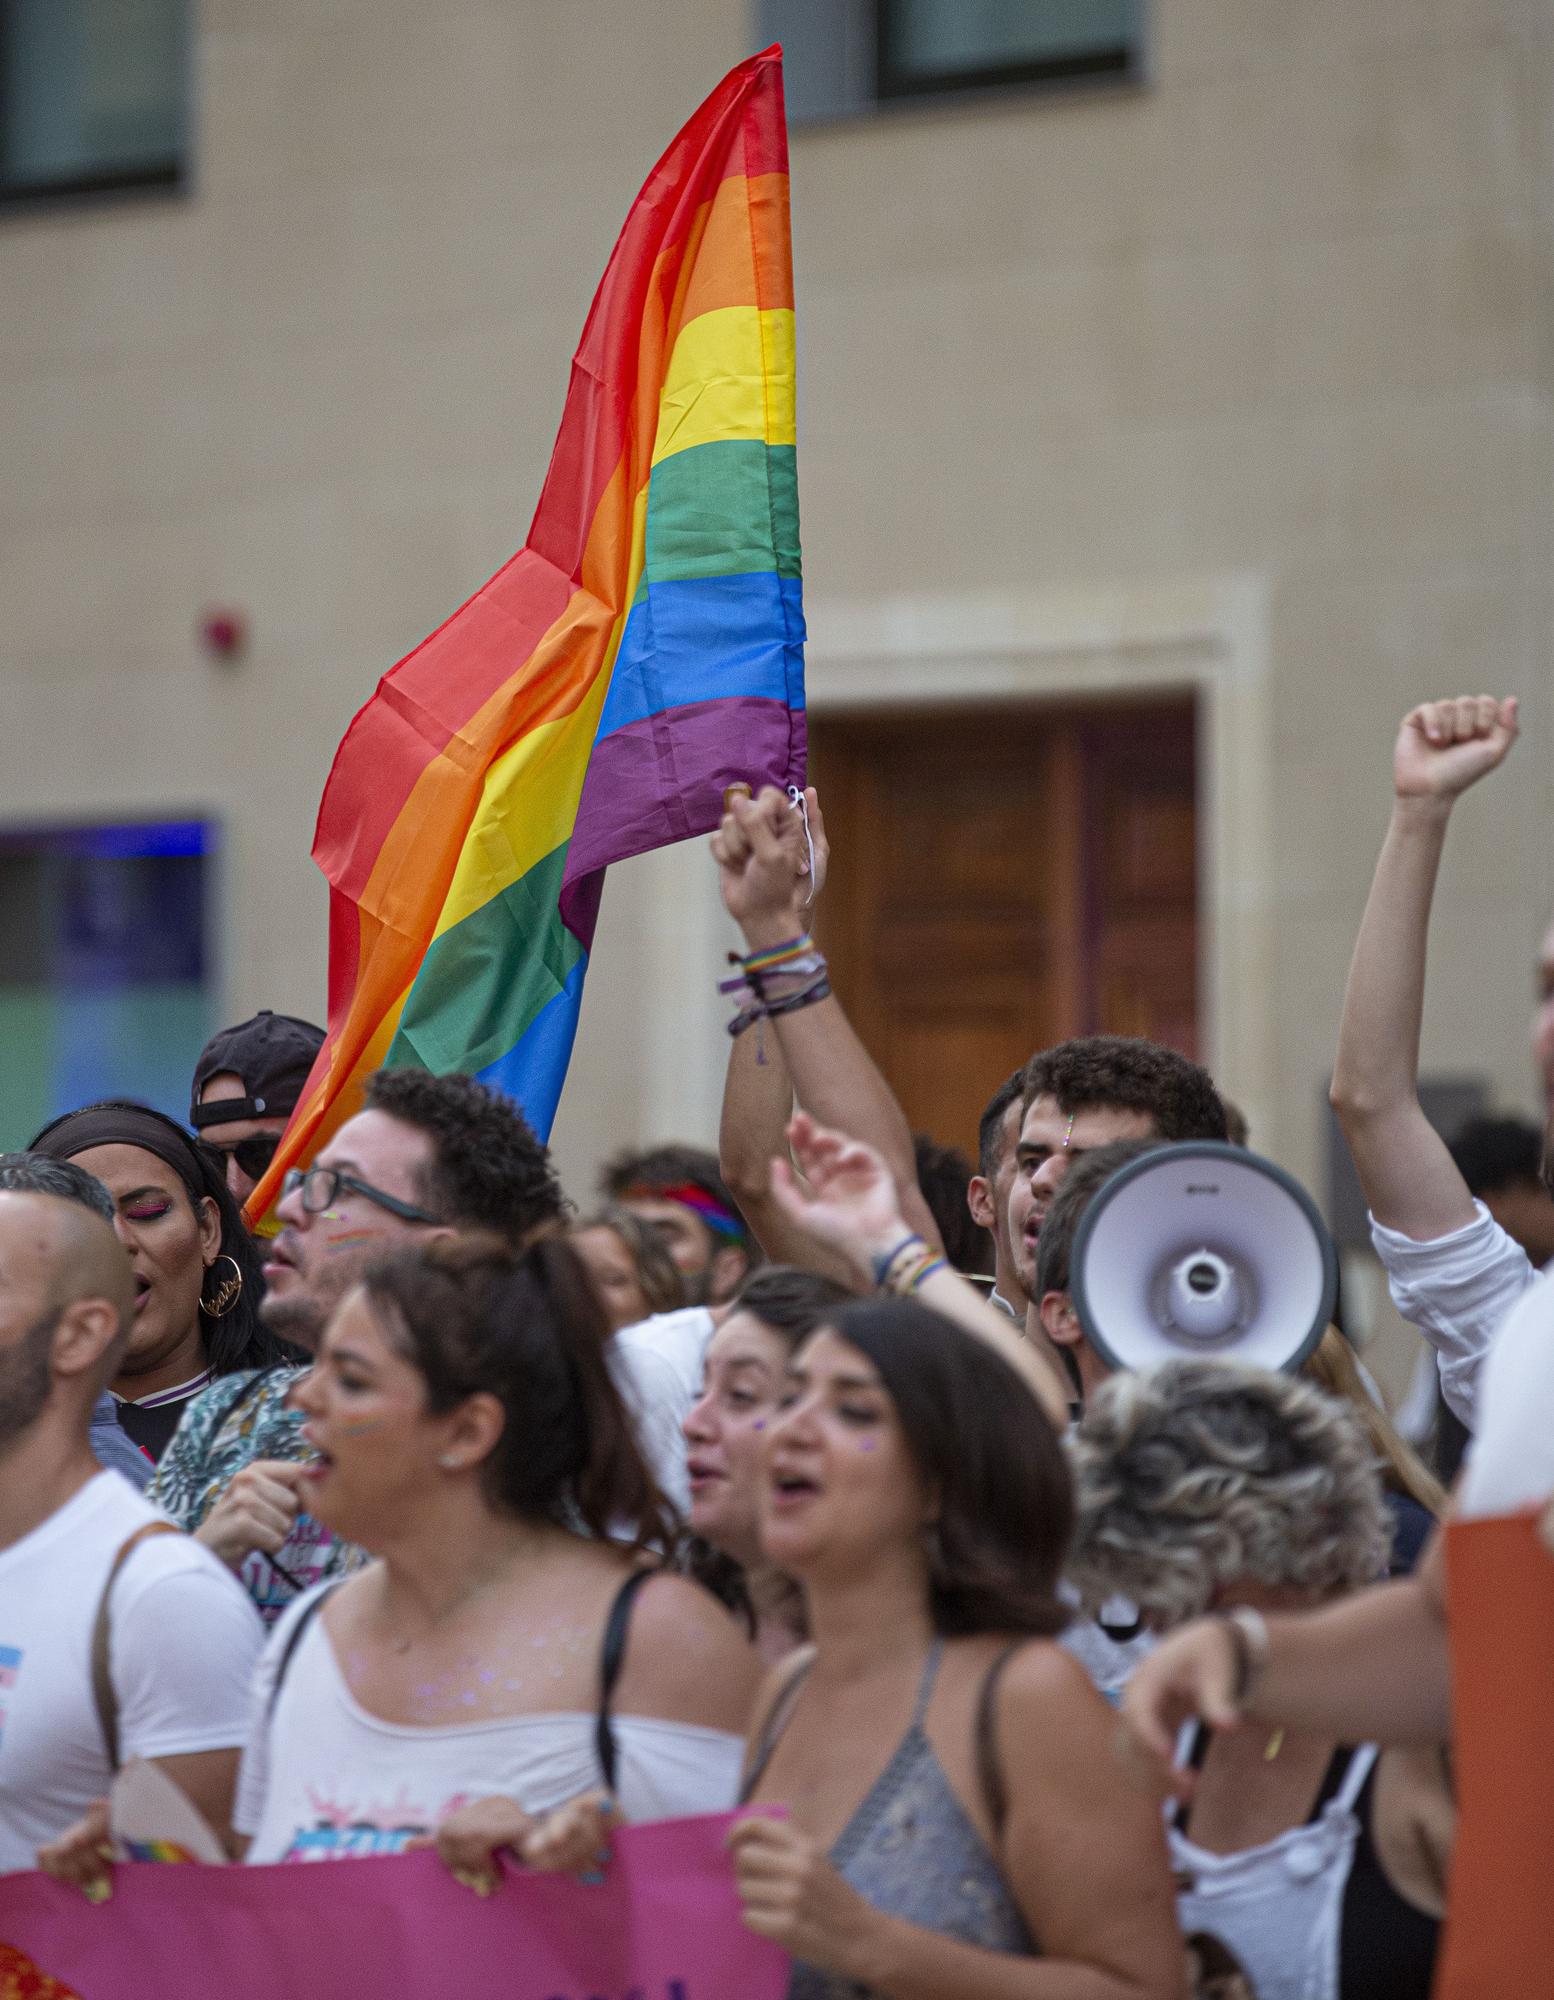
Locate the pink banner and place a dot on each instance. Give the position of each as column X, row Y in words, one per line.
column 664, row 1925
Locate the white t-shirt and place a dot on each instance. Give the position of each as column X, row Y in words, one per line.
column 658, row 1366
column 1457, row 1290
column 1108, row 1660
column 1510, row 1461
column 182, row 1641
column 324, row 1780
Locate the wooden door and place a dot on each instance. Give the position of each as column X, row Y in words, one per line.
column 1002, row 878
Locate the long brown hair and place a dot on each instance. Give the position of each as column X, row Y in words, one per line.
column 981, row 1442
column 1334, row 1367
column 472, row 1315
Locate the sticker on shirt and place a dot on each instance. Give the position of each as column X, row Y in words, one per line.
column 10, row 1666
column 352, row 1833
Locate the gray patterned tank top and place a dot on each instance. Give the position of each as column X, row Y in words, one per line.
column 911, row 1849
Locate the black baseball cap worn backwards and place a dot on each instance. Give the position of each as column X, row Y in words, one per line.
column 272, row 1055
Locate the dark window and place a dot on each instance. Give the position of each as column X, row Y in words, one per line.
column 104, row 967
column 937, row 45
column 843, row 57
column 93, row 95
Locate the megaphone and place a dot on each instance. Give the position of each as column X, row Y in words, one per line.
column 1206, row 1250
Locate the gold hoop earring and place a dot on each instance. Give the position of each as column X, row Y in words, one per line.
column 227, row 1292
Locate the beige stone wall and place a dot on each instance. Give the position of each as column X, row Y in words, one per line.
column 1273, row 331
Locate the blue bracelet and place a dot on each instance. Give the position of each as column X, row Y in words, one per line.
column 882, row 1264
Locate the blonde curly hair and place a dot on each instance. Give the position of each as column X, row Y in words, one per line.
column 1201, row 1475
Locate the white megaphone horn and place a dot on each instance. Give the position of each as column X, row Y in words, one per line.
column 1203, row 1249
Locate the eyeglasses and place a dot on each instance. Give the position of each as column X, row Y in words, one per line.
column 252, row 1155
column 321, row 1187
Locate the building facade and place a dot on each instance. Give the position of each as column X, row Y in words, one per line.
column 1223, row 381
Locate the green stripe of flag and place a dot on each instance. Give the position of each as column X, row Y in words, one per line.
column 482, row 983
column 723, row 509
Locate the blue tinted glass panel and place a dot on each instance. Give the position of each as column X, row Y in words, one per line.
column 93, row 93
column 104, row 967
column 933, row 39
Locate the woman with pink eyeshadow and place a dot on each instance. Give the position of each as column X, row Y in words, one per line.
column 747, row 1363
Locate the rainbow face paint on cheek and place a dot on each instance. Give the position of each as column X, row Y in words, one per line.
column 358, row 1426
column 348, row 1238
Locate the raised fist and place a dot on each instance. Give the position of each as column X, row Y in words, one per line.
column 1445, row 746
column 764, row 859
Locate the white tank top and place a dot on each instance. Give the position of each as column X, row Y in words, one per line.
column 1278, row 1907
column 325, row 1780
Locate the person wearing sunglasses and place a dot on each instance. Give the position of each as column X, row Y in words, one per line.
column 246, row 1086
column 426, row 1157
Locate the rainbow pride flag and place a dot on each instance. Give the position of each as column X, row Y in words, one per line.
column 641, row 652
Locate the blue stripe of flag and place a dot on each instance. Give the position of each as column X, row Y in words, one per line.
column 707, row 638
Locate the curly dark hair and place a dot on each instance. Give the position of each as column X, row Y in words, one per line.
column 488, row 1170
column 474, row 1314
column 943, row 1175
column 1085, row 1178
column 1123, row 1073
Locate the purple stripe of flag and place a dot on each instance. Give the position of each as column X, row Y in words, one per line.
column 663, row 779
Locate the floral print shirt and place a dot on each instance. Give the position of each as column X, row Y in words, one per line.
column 238, row 1419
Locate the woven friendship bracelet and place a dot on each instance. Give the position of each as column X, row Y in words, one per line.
column 775, row 955
column 912, row 1273
column 882, row 1264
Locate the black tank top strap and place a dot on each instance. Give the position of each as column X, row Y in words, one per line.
column 612, row 1658
column 778, row 1717
column 1197, row 1750
column 995, row 1793
column 294, row 1639
column 1387, row 1944
column 1332, row 1780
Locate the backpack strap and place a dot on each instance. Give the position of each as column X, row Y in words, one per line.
column 612, row 1658
column 103, row 1695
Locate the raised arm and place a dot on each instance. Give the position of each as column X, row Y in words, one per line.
column 757, row 1091
column 833, row 1075
column 1373, row 1667
column 847, row 1203
column 1410, row 1180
